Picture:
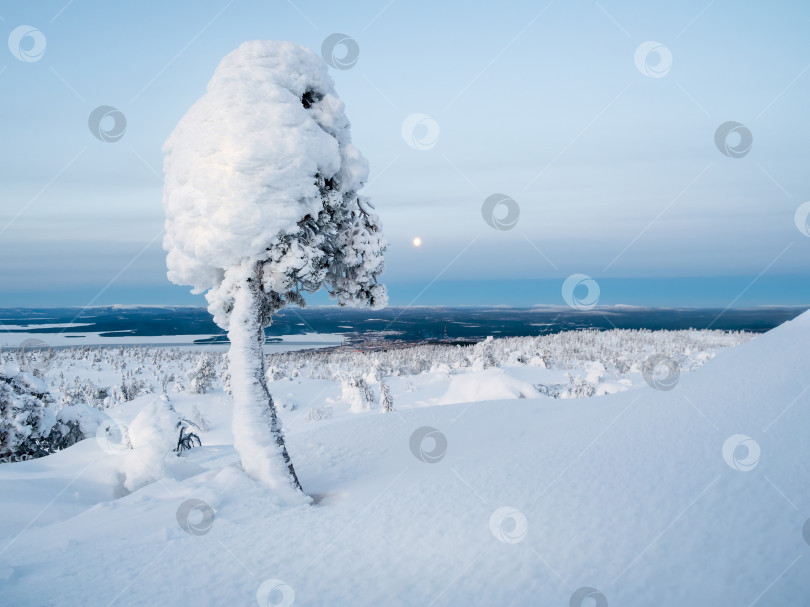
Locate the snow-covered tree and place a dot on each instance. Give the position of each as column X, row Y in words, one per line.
column 202, row 375
column 31, row 425
column 262, row 205
column 356, row 391
column 386, row 399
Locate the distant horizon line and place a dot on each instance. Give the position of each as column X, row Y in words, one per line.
column 459, row 306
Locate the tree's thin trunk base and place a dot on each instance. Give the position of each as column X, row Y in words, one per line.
column 258, row 438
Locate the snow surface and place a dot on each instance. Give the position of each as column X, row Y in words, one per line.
column 632, row 494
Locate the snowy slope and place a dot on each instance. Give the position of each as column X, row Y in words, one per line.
column 628, row 494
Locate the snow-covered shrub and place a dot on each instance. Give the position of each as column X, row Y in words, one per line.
column 483, row 356
column 356, row 392
column 77, row 422
column 85, row 391
column 538, row 361
column 29, row 422
column 317, row 414
column 131, row 387
column 153, row 435
column 386, row 399
column 550, row 390
column 186, row 441
column 164, row 380
column 201, row 377
column 274, row 373
column 199, row 420
column 578, row 387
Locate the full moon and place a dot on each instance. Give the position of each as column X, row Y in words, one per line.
column 417, row 242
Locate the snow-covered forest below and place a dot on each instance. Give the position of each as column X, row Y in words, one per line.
column 80, row 385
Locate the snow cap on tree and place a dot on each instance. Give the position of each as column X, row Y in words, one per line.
column 262, row 170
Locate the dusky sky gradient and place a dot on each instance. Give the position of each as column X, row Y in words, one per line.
column 616, row 173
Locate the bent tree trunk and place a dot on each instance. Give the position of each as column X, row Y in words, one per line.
column 257, row 435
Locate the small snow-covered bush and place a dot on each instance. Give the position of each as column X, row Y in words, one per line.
column 186, row 441
column 85, row 391
column 199, row 420
column 550, row 390
column 579, row 387
column 131, row 387
column 156, row 432
column 317, row 414
column 356, row 392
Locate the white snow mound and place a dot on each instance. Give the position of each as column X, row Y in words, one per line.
column 489, row 384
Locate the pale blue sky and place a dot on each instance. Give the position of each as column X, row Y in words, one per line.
column 616, row 173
